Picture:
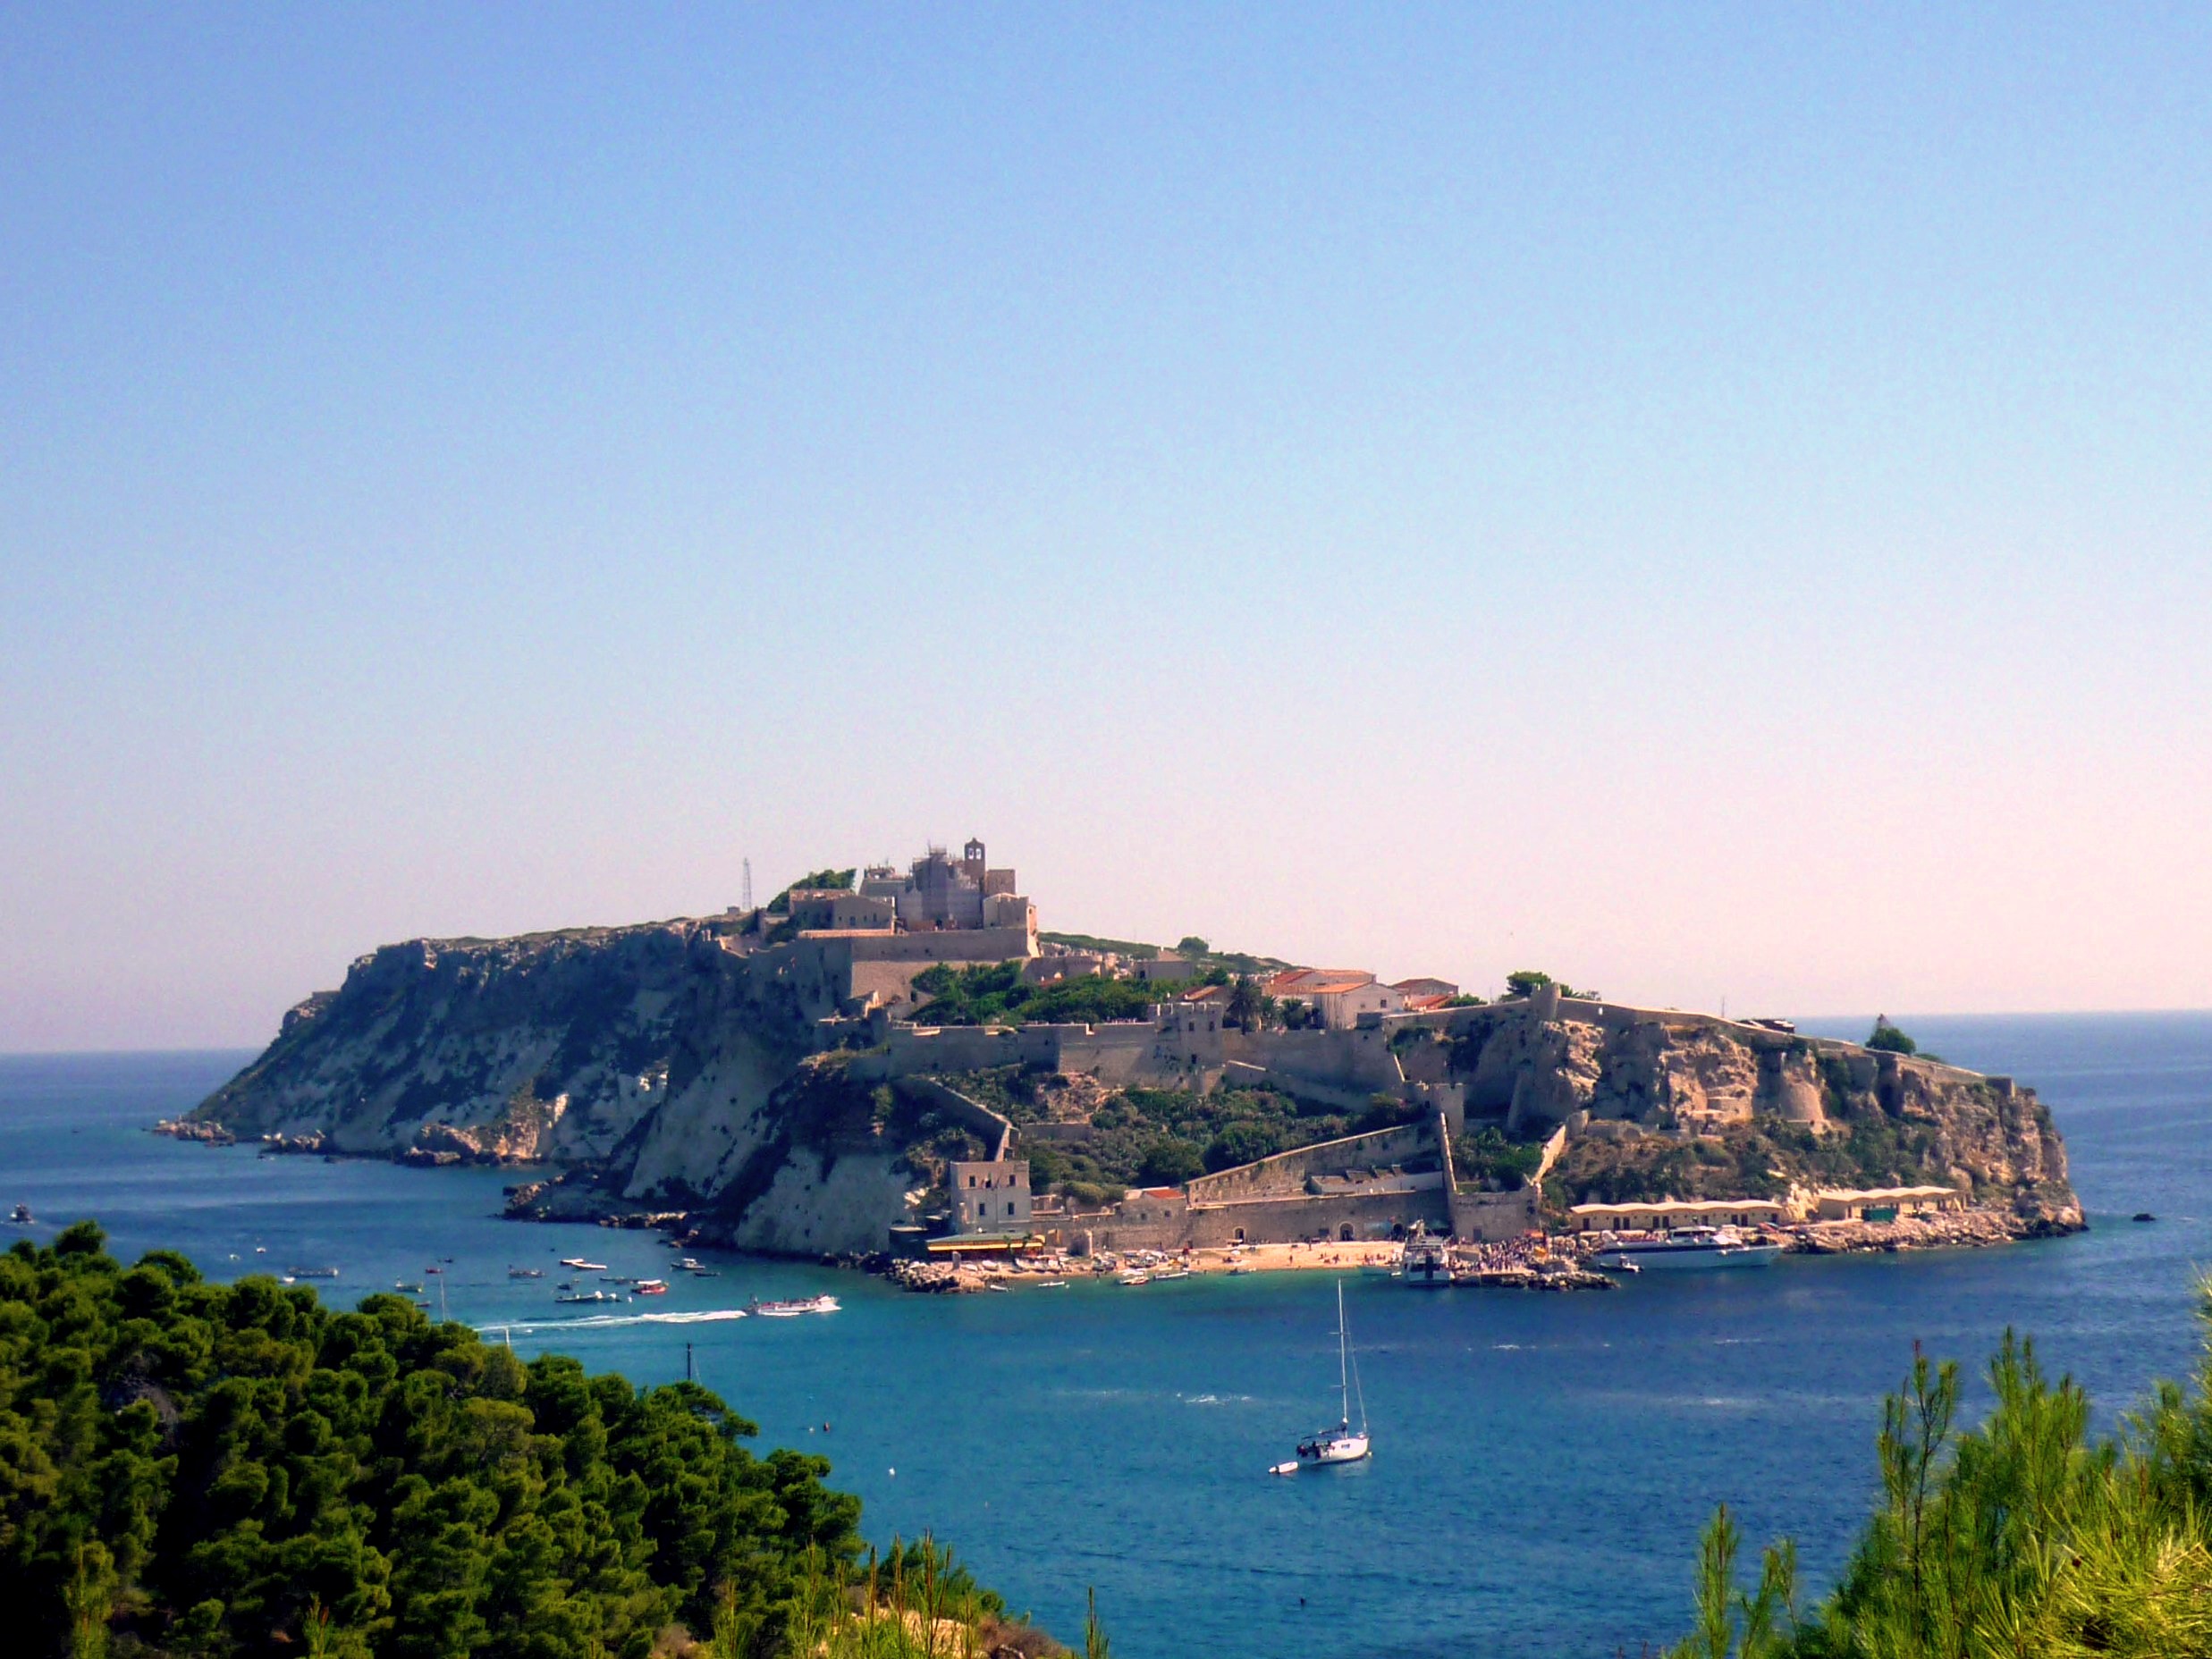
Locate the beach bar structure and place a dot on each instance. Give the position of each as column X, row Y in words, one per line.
column 1659, row 1214
column 1884, row 1203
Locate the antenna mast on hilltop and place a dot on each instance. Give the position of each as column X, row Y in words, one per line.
column 746, row 903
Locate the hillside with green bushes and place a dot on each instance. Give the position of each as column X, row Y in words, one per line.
column 188, row 1467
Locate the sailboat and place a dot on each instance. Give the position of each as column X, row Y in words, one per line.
column 1339, row 1444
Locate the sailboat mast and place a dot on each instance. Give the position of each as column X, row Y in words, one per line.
column 1344, row 1375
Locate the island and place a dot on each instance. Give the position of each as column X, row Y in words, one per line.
column 880, row 1062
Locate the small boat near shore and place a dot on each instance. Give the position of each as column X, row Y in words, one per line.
column 312, row 1273
column 1688, row 1247
column 1132, row 1275
column 573, row 1297
column 21, row 1216
column 526, row 1273
column 791, row 1308
column 652, row 1287
column 581, row 1265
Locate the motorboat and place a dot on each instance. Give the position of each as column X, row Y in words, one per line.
column 526, row 1273
column 652, row 1287
column 313, row 1273
column 792, row 1309
column 585, row 1296
column 411, row 1290
column 581, row 1265
column 20, row 1215
column 1688, row 1247
column 1132, row 1275
column 1051, row 1285
column 1343, row 1444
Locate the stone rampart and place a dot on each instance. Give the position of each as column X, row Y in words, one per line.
column 996, row 1132
column 1286, row 1174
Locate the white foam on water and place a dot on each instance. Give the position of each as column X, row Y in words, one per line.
column 603, row 1321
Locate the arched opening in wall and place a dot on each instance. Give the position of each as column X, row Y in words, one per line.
column 1240, row 1236
column 1344, row 1233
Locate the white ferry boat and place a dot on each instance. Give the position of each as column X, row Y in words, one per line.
column 1689, row 1248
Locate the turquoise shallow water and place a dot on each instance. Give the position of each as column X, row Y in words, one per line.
column 1543, row 1463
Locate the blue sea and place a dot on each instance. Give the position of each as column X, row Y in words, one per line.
column 1543, row 1463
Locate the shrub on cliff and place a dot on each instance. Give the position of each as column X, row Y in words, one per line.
column 1889, row 1038
column 2023, row 1537
column 239, row 1469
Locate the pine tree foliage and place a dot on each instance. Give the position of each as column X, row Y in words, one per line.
column 2024, row 1538
column 189, row 1467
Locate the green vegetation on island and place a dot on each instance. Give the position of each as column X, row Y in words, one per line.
column 2024, row 1536
column 1160, row 1137
column 994, row 994
column 188, row 1467
column 814, row 882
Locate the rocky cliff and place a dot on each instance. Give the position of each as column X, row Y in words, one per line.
column 1660, row 1103
column 654, row 1066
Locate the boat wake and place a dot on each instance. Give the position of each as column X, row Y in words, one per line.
column 603, row 1321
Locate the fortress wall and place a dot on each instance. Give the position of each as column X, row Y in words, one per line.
column 995, row 1131
column 1358, row 1058
column 959, row 945
column 1286, row 1172
column 1488, row 1216
column 1267, row 1221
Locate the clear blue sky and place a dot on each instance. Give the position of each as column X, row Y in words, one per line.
column 1713, row 501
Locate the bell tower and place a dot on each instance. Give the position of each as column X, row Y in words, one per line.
column 972, row 859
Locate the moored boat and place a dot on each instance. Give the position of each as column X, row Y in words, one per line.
column 1342, row 1444
column 652, row 1287
column 583, row 1296
column 581, row 1265
column 1698, row 1246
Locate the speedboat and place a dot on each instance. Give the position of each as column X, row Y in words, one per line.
column 653, row 1287
column 1689, row 1247
column 791, row 1310
column 20, row 1215
column 313, row 1273
column 526, row 1273
column 1342, row 1444
column 581, row 1265
column 580, row 1296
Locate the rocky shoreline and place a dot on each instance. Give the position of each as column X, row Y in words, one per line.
column 1967, row 1229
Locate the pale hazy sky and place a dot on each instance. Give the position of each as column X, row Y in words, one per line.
column 1706, row 501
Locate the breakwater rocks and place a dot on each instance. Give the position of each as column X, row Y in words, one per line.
column 941, row 1279
column 1556, row 1278
column 190, row 1129
column 1959, row 1230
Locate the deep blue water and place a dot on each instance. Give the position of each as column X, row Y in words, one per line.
column 1543, row 1463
